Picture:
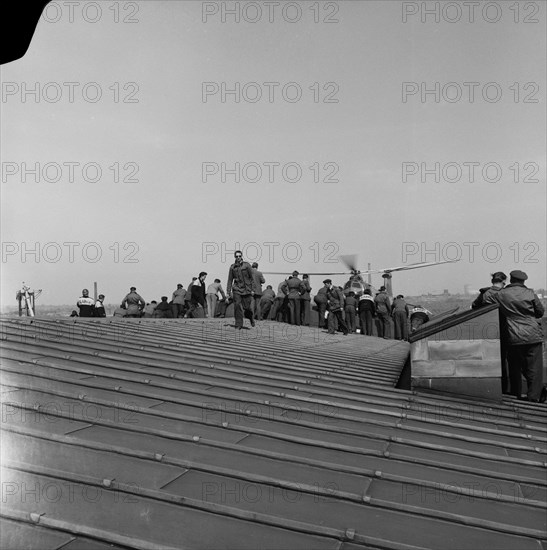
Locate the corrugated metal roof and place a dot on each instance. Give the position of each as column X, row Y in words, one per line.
column 189, row 434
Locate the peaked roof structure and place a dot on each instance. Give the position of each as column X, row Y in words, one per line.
column 188, row 434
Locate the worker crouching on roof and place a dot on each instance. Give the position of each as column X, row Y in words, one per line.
column 418, row 316
column 134, row 303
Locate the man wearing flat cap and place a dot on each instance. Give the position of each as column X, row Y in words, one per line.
column 522, row 311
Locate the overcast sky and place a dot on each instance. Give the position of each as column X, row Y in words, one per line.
column 332, row 94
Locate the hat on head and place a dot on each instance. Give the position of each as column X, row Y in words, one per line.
column 101, row 295
column 327, row 282
column 382, row 288
column 305, row 276
column 133, row 288
column 295, row 273
column 179, row 285
column 518, row 274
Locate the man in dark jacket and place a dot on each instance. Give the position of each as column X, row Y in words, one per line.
column 258, row 282
column 523, row 310
column 305, row 301
column 320, row 300
column 241, row 286
column 197, row 297
column 86, row 304
column 399, row 312
column 383, row 310
column 498, row 282
column 294, row 290
column 187, row 298
column 350, row 309
column 279, row 300
column 268, row 297
column 367, row 310
column 335, row 300
column 163, row 309
column 484, row 298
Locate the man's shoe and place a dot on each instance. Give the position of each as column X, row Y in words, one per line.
column 543, row 395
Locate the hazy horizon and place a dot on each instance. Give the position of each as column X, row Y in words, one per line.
column 410, row 141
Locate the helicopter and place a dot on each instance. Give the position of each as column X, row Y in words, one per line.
column 356, row 282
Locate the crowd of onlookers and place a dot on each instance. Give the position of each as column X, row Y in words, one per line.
column 344, row 310
column 337, row 310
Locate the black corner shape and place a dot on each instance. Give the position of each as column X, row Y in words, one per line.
column 18, row 20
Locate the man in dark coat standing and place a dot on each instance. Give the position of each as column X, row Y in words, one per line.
column 241, row 286
column 268, row 297
column 350, row 309
column 305, row 301
column 320, row 300
column 367, row 310
column 383, row 310
column 258, row 282
column 294, row 291
column 335, row 300
column 400, row 312
column 278, row 309
column 197, row 297
column 485, row 298
column 523, row 310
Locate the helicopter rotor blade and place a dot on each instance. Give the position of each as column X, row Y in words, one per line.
column 410, row 266
column 310, row 273
column 350, row 260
